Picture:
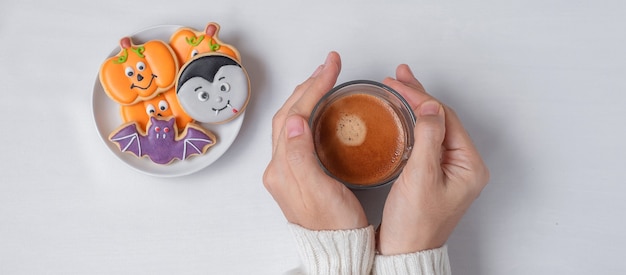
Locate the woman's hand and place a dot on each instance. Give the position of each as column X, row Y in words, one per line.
column 441, row 179
column 306, row 195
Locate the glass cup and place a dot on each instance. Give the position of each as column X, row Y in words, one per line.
column 363, row 133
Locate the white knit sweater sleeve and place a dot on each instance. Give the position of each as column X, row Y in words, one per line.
column 427, row 262
column 335, row 251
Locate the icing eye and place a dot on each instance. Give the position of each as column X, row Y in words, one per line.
column 166, row 129
column 225, row 87
column 141, row 66
column 203, row 96
column 150, row 109
column 157, row 129
column 194, row 52
column 129, row 71
column 163, row 105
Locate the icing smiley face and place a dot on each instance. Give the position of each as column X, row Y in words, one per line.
column 138, row 72
column 213, row 88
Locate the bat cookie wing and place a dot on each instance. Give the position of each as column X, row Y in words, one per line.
column 161, row 142
column 196, row 141
column 127, row 138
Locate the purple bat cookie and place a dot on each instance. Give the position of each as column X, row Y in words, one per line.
column 162, row 143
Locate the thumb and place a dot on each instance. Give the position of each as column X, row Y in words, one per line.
column 300, row 151
column 429, row 133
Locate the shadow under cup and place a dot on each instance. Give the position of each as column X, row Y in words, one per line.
column 363, row 133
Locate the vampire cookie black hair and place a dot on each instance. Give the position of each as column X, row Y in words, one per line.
column 204, row 66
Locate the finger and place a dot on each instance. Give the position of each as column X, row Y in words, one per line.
column 456, row 135
column 430, row 130
column 300, row 152
column 279, row 117
column 278, row 176
column 299, row 90
column 322, row 83
column 460, row 152
column 406, row 76
column 414, row 96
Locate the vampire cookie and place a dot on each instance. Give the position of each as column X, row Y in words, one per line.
column 213, row 88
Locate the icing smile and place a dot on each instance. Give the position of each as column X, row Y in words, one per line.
column 217, row 111
column 132, row 85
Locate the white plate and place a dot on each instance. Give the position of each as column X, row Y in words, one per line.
column 107, row 117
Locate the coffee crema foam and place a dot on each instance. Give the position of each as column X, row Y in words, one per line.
column 359, row 139
column 351, row 129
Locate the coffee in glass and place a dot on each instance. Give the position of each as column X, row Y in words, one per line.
column 363, row 133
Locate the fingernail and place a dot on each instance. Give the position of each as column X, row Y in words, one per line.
column 327, row 61
column 294, row 126
column 321, row 67
column 430, row 108
column 410, row 71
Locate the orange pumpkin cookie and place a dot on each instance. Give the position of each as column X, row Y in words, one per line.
column 139, row 72
column 187, row 43
column 163, row 105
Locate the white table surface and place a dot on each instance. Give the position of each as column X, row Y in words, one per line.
column 540, row 86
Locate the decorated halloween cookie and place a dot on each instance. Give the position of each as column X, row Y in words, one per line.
column 213, row 88
column 163, row 105
column 187, row 43
column 166, row 89
column 162, row 143
column 139, row 72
